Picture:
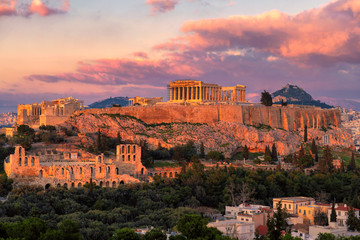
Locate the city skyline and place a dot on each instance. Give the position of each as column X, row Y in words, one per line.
column 93, row 50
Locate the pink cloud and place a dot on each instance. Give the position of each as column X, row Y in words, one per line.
column 124, row 72
column 37, row 6
column 140, row 54
column 7, row 7
column 22, row 8
column 325, row 35
column 161, row 6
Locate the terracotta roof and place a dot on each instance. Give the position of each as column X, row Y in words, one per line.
column 323, row 204
column 343, row 208
column 261, row 230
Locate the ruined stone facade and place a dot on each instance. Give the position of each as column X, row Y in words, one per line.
column 52, row 168
column 288, row 118
column 144, row 101
column 191, row 91
column 48, row 112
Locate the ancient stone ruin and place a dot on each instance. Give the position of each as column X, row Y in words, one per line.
column 52, row 168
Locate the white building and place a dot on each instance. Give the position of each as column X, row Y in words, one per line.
column 342, row 214
column 235, row 229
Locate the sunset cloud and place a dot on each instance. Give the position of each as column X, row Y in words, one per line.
column 161, row 6
column 22, row 8
column 7, row 7
column 37, row 6
column 324, row 36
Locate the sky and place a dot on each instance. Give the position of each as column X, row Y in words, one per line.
column 92, row 49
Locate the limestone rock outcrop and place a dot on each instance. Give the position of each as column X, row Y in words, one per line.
column 222, row 136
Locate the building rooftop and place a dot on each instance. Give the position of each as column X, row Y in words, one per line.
column 295, row 199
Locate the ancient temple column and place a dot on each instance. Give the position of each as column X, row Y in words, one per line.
column 178, row 93
column 197, row 93
column 200, row 93
column 171, row 93
column 183, row 93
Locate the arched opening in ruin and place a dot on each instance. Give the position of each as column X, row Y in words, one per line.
column 71, row 171
column 117, row 171
column 134, row 149
column 123, row 158
column 19, row 162
column 32, row 161
column 58, row 185
column 26, row 162
column 107, row 184
column 80, row 170
column 40, row 173
column 171, row 174
column 114, row 184
column 176, row 174
column 72, row 185
column 47, row 186
column 128, row 151
column 62, row 171
column 79, row 185
column 142, row 171
column 151, row 174
column 101, row 184
column 108, row 170
column 122, row 149
column 99, row 169
column 129, row 158
column 121, row 182
column 65, row 185
column 134, row 158
column 165, row 174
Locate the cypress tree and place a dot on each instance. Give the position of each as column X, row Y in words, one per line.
column 313, row 147
column 266, row 98
column 352, row 164
column 333, row 213
column 305, row 134
column 268, row 157
column 98, row 141
column 202, row 150
column 274, row 153
column 342, row 168
column 246, row 152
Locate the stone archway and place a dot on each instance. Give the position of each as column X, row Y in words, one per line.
column 47, row 186
column 114, row 184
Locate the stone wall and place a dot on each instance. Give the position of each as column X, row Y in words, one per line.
column 288, row 118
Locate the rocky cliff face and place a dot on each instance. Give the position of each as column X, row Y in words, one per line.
column 221, row 136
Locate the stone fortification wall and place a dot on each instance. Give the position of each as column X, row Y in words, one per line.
column 288, row 118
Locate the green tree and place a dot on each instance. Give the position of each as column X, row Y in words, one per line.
column 70, row 230
column 274, row 156
column 277, row 223
column 305, row 134
column 352, row 164
column 202, row 150
column 320, row 218
column 268, row 157
column 313, row 147
column 125, row 234
column 215, row 155
column 155, row 234
column 352, row 222
column 325, row 163
column 246, row 152
column 333, row 213
column 325, row 236
column 266, row 98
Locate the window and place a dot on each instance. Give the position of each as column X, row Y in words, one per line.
column 62, row 171
column 99, row 169
column 339, row 213
column 309, row 212
column 289, row 206
column 80, row 170
column 299, row 210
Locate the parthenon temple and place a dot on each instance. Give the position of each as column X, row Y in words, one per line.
column 199, row 92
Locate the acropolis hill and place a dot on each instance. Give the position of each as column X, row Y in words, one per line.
column 197, row 102
column 212, row 114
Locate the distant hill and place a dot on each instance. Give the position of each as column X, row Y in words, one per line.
column 293, row 94
column 7, row 119
column 109, row 102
